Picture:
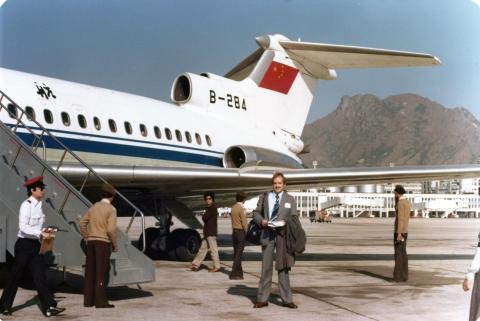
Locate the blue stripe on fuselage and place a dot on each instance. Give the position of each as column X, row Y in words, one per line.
column 114, row 149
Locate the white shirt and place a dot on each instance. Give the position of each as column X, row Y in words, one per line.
column 475, row 266
column 31, row 219
column 271, row 201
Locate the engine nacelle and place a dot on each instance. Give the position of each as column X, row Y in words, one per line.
column 207, row 89
column 241, row 156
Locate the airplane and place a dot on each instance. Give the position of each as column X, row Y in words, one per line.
column 219, row 133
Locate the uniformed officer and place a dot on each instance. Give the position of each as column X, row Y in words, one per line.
column 27, row 254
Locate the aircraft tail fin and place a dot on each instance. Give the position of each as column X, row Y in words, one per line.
column 286, row 73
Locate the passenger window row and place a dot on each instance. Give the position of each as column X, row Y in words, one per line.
column 82, row 122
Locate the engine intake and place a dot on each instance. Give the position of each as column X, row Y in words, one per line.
column 242, row 156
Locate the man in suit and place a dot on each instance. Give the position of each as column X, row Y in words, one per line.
column 402, row 216
column 276, row 206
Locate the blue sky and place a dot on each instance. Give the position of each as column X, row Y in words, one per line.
column 141, row 46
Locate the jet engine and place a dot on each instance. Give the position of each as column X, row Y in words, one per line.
column 242, row 156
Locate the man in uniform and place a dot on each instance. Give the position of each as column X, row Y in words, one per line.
column 27, row 249
column 99, row 228
column 239, row 227
column 402, row 216
column 273, row 209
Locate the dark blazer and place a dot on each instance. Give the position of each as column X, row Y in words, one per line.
column 209, row 219
column 288, row 208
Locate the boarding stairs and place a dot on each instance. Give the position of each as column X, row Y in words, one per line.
column 22, row 144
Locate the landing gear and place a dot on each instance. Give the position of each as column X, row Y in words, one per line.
column 181, row 244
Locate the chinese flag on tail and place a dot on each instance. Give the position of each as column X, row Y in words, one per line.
column 279, row 77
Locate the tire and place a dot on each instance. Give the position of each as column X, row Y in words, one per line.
column 151, row 234
column 188, row 244
column 173, row 240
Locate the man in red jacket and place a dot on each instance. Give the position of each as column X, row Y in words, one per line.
column 209, row 241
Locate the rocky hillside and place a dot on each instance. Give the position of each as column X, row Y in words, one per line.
column 405, row 129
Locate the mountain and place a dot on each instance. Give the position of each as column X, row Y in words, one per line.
column 405, row 129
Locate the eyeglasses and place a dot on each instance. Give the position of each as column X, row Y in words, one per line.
column 208, row 198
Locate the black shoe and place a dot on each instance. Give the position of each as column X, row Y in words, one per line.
column 51, row 311
column 88, row 305
column 105, row 306
column 6, row 311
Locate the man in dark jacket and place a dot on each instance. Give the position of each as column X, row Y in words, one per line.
column 274, row 209
column 209, row 241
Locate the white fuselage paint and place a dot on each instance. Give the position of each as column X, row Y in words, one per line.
column 224, row 126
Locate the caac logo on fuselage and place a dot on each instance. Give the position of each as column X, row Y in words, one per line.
column 45, row 91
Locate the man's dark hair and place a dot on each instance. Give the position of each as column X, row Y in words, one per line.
column 209, row 194
column 241, row 196
column 107, row 194
column 399, row 189
column 278, row 174
column 34, row 186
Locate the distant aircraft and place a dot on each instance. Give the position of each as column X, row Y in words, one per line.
column 220, row 133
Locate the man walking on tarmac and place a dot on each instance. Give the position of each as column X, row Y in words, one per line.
column 27, row 247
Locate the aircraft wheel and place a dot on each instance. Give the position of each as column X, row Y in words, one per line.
column 151, row 234
column 188, row 244
column 172, row 240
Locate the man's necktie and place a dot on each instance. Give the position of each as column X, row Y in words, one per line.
column 276, row 207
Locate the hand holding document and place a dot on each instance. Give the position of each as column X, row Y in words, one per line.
column 276, row 224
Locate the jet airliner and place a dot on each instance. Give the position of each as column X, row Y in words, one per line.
column 220, row 133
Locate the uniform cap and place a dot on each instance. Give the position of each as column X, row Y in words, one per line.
column 108, row 189
column 31, row 181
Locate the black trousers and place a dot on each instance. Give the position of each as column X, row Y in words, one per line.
column 26, row 256
column 238, row 239
column 96, row 273
column 400, row 272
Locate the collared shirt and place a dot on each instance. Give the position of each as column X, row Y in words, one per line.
column 31, row 219
column 475, row 266
column 239, row 217
column 271, row 201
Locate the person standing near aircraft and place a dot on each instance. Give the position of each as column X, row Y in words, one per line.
column 273, row 210
column 239, row 227
column 99, row 228
column 27, row 247
column 402, row 216
column 210, row 232
column 472, row 274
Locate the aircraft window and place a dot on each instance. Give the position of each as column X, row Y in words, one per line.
column 96, row 123
column 128, row 128
column 82, row 121
column 157, row 131
column 188, row 137
column 143, row 130
column 12, row 111
column 168, row 134
column 112, row 125
column 65, row 118
column 30, row 113
column 209, row 141
column 198, row 138
column 179, row 135
column 48, row 116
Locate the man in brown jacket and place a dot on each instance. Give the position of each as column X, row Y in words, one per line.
column 210, row 232
column 239, row 227
column 99, row 228
column 402, row 216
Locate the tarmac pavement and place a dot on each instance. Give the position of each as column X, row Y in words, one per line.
column 345, row 274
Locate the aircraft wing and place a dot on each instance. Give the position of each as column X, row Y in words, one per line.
column 191, row 183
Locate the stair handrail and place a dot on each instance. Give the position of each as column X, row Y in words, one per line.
column 90, row 171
